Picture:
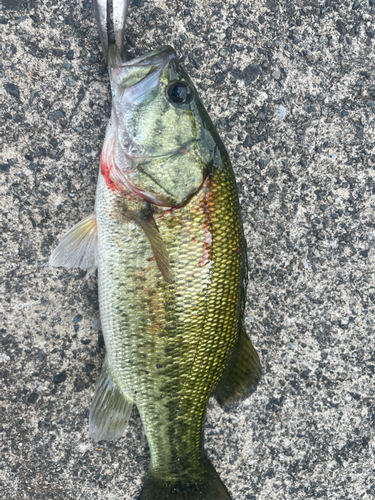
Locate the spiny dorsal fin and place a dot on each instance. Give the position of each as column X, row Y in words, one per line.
column 157, row 244
column 78, row 247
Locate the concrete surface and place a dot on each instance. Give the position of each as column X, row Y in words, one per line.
column 290, row 86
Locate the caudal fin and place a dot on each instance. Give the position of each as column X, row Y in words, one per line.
column 205, row 485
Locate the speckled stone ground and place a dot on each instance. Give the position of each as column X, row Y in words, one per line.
column 290, row 86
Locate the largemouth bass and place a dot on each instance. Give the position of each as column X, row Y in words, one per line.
column 168, row 242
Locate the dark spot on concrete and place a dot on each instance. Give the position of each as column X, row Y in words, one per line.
column 13, row 90
column 59, row 378
column 33, row 398
column 14, row 4
column 248, row 75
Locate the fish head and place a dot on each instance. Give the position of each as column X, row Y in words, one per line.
column 164, row 140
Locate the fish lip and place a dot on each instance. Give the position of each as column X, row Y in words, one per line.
column 159, row 57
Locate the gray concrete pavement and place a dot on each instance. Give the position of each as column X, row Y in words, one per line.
column 291, row 89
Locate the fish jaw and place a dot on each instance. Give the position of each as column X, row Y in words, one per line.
column 133, row 82
column 129, row 73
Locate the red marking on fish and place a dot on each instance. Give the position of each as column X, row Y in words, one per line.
column 106, row 173
column 107, row 163
column 169, row 211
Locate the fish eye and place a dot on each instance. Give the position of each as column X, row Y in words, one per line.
column 179, row 92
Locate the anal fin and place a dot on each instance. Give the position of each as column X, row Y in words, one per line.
column 242, row 374
column 78, row 247
column 110, row 410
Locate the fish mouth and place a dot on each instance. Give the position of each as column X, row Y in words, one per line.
column 131, row 82
column 142, row 70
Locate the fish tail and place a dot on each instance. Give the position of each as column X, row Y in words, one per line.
column 205, row 485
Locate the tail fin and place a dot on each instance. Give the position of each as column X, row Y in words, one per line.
column 206, row 485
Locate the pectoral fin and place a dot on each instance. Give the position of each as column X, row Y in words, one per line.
column 110, row 410
column 157, row 244
column 78, row 247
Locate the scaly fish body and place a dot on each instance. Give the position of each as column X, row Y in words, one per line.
column 173, row 329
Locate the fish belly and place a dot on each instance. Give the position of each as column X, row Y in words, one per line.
column 169, row 344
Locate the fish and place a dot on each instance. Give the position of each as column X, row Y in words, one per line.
column 167, row 240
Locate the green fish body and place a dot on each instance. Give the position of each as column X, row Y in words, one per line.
column 168, row 242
